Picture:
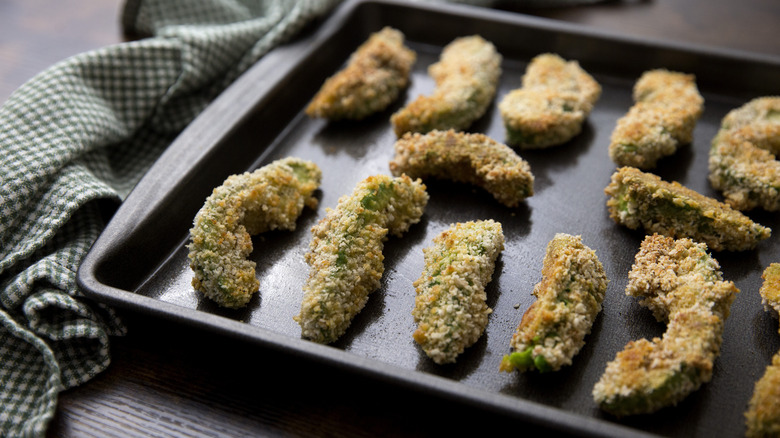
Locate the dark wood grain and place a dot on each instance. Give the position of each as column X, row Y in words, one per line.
column 168, row 380
column 34, row 34
column 750, row 25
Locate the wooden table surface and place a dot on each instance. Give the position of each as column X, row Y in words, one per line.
column 168, row 380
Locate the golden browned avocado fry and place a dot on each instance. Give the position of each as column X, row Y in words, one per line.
column 743, row 157
column 763, row 414
column 272, row 197
column 466, row 80
column 668, row 104
column 639, row 199
column 373, row 79
column 470, row 158
column 345, row 253
column 770, row 290
column 569, row 298
column 450, row 307
column 681, row 283
column 550, row 108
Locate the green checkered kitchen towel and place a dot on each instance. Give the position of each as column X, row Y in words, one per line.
column 73, row 141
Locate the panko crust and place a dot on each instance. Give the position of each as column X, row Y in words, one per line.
column 681, row 283
column 466, row 77
column 374, row 77
column 643, row 200
column 743, row 161
column 667, row 107
column 770, row 289
column 762, row 417
column 569, row 298
column 272, row 197
column 450, row 309
column 649, row 375
column 345, row 253
column 462, row 157
column 551, row 106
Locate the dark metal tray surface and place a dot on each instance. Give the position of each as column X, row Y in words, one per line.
column 140, row 261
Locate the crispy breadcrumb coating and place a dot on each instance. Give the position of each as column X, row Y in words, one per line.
column 345, row 254
column 763, row 414
column 770, row 290
column 466, row 80
column 758, row 122
column 649, row 375
column 470, row 158
column 670, row 275
column 569, row 298
column 551, row 106
column 743, row 158
column 373, row 79
column 668, row 104
column 450, row 307
column 681, row 283
column 639, row 199
column 272, row 197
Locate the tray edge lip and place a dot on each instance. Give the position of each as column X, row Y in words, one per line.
column 495, row 402
column 513, row 17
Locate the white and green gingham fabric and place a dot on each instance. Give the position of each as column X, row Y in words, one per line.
column 73, row 141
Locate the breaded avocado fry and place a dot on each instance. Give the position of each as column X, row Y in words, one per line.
column 743, row 157
column 770, row 290
column 757, row 122
column 638, row 199
column 668, row 104
column 373, row 79
column 345, row 254
column 763, row 415
column 272, row 197
column 466, row 80
column 450, row 307
column 470, row 158
column 681, row 283
column 551, row 106
column 649, row 375
column 569, row 298
column 670, row 275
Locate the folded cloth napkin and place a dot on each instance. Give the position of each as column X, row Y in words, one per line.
column 74, row 140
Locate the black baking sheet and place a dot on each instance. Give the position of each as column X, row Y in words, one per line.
column 140, row 260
